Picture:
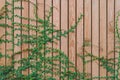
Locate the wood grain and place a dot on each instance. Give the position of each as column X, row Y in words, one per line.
column 103, row 33
column 80, row 36
column 95, row 36
column 72, row 36
column 64, row 26
column 110, row 30
column 87, row 34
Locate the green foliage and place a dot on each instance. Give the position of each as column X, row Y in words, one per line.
column 38, row 62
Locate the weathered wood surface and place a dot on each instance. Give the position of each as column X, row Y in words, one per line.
column 96, row 28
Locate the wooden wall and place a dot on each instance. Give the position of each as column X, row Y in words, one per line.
column 96, row 28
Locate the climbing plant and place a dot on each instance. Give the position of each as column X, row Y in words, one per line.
column 39, row 65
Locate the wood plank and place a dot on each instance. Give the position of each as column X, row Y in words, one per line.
column 48, row 4
column 41, row 13
column 95, row 36
column 64, row 25
column 17, row 32
column 2, row 32
column 71, row 38
column 56, row 22
column 32, row 16
column 110, row 30
column 80, row 36
column 103, row 33
column 25, row 46
column 9, row 37
column 87, row 34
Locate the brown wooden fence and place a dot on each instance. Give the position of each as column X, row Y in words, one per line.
column 96, row 28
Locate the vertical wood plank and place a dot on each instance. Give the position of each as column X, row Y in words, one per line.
column 2, row 32
column 40, row 11
column 9, row 30
column 25, row 46
column 56, row 22
column 71, row 35
column 102, row 33
column 87, row 34
column 32, row 16
column 95, row 36
column 64, row 26
column 17, row 32
column 48, row 5
column 80, row 36
column 110, row 30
